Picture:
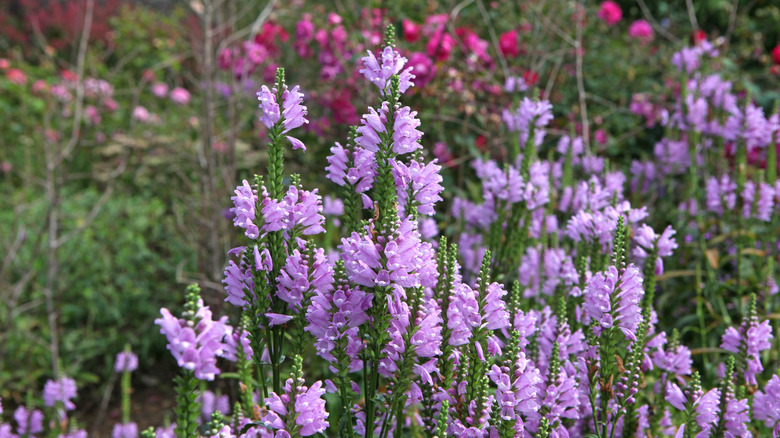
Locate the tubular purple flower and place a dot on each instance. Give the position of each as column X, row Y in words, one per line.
column 737, row 418
column 305, row 214
column 427, row 338
column 293, row 110
column 373, row 124
column 424, row 181
column 244, row 209
column 195, row 347
column 707, row 408
column 297, row 278
column 462, row 314
column 268, row 106
column 62, row 391
column 310, row 409
column 125, row 430
column 627, row 291
column 751, row 339
column 29, row 422
column 675, row 396
column 392, row 63
column 677, row 361
column 126, row 361
column 765, row 204
column 406, row 136
column 337, row 168
column 361, row 258
column 337, row 315
column 766, row 405
column 363, row 172
column 238, row 279
column 495, row 316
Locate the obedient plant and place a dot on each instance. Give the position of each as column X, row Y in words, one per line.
column 539, row 322
column 537, row 319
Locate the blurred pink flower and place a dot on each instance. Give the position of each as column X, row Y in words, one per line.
column 641, row 30
column 601, row 136
column 92, row 114
column 423, row 68
column 6, row 166
column 147, row 76
column 16, row 76
column 180, row 96
column 40, row 86
column 110, row 104
column 141, row 114
column 411, row 30
column 256, row 53
column 440, row 46
column 610, row 12
column 507, row 44
column 160, row 89
column 4, row 63
column 225, row 59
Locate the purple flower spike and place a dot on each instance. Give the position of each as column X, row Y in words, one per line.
column 195, row 347
column 598, row 297
column 766, row 404
column 406, row 137
column 244, row 210
column 268, row 106
column 310, row 407
column 294, row 112
column 62, row 391
column 391, row 64
column 126, row 361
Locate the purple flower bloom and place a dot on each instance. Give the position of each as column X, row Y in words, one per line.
column 238, row 280
column 301, row 276
column 598, row 297
column 62, row 391
column 400, row 315
column 125, row 430
column 335, row 316
column 495, row 316
column 332, row 206
column 373, row 124
column 28, row 423
column 269, row 106
column 427, row 338
column 766, row 405
column 234, row 339
column 675, row 396
column 462, row 314
column 707, row 409
column 338, row 164
column 558, row 271
column 195, row 346
column 126, row 361
column 737, row 418
column 677, row 361
column 424, row 182
column 310, row 408
column 406, row 136
column 751, row 339
column 293, row 110
column 530, row 116
column 766, row 198
column 361, row 258
column 244, row 210
column 720, row 192
column 391, row 64
column 305, row 211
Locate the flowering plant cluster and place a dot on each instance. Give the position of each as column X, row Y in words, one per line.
column 538, row 316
